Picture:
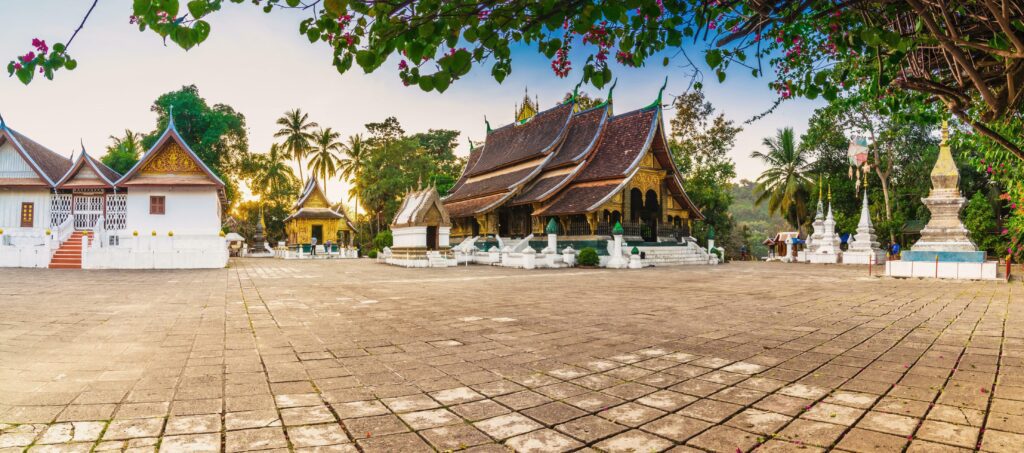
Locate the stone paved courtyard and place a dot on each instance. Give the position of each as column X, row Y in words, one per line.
column 356, row 356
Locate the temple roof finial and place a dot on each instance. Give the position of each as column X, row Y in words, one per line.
column 488, row 123
column 3, row 124
column 170, row 116
column 612, row 89
column 661, row 92
column 82, row 142
column 470, row 143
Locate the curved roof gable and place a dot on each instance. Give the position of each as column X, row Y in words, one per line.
column 48, row 165
column 517, row 143
column 106, row 176
column 170, row 135
column 417, row 206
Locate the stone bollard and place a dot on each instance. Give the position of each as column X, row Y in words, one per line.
column 634, row 259
column 569, row 256
column 529, row 258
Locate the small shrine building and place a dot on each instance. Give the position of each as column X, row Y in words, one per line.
column 313, row 217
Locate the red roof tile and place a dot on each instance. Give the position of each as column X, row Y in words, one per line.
column 622, row 144
column 521, row 142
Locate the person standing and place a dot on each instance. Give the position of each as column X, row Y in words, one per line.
column 312, row 245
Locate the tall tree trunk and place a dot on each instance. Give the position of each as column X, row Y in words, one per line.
column 298, row 162
column 888, row 207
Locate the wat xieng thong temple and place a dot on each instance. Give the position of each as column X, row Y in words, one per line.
column 587, row 169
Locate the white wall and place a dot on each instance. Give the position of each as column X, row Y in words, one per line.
column 189, row 210
column 10, row 207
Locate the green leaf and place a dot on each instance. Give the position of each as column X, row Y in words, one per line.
column 201, row 31
column 442, row 80
column 59, row 48
column 461, row 63
column 366, row 59
column 71, row 65
column 140, row 7
column 198, row 8
column 313, row 34
column 713, row 57
column 470, row 35
column 664, row 62
column 25, row 74
column 721, row 76
column 426, row 30
column 426, row 83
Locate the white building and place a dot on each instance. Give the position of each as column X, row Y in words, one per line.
column 164, row 213
column 421, row 232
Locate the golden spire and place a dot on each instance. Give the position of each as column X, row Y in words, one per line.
column 819, row 187
column 945, row 175
column 830, row 193
column 528, row 109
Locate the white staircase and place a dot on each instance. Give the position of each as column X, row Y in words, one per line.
column 436, row 259
column 690, row 253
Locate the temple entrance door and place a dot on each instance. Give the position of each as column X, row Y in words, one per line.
column 317, row 231
column 651, row 217
column 503, row 223
column 87, row 209
column 432, row 238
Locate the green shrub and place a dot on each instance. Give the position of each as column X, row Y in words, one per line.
column 980, row 219
column 717, row 253
column 372, row 254
column 588, row 257
column 383, row 239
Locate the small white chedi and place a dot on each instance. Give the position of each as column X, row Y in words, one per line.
column 826, row 245
column 865, row 248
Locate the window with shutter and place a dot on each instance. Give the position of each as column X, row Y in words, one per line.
column 157, row 205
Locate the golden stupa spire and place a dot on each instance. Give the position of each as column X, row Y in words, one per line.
column 819, row 187
column 830, row 193
column 945, row 174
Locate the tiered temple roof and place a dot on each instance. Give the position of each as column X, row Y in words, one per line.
column 47, row 165
column 568, row 161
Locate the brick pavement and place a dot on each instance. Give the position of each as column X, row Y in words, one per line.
column 355, row 356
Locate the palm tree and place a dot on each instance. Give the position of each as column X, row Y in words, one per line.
column 296, row 132
column 324, row 160
column 271, row 173
column 351, row 166
column 784, row 183
column 131, row 142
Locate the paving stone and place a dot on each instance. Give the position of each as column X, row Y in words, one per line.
column 677, row 427
column 135, row 428
column 724, row 438
column 666, row 400
column 193, row 424
column 862, row 441
column 429, row 419
column 506, row 426
column 553, row 413
column 888, row 423
column 631, row 414
column 542, row 441
column 367, row 427
column 317, row 435
column 251, row 419
column 634, row 441
column 455, row 437
column 255, row 439
column 758, row 421
column 408, row 442
column 207, row 443
column 479, row 410
column 590, row 428
column 948, row 433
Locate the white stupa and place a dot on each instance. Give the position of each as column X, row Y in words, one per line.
column 826, row 249
column 865, row 247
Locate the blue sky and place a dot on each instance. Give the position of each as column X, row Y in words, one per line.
column 261, row 66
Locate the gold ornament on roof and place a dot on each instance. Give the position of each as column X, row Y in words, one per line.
column 945, row 175
column 528, row 109
column 172, row 159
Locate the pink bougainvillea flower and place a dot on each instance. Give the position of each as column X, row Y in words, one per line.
column 28, row 57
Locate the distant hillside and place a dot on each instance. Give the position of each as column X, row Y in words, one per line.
column 755, row 218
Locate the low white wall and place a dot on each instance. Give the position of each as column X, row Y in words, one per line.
column 948, row 270
column 159, row 252
column 189, row 210
column 25, row 256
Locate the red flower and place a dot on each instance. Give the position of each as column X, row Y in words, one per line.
column 40, row 45
column 28, row 57
column 18, row 66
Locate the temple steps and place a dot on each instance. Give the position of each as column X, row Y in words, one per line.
column 69, row 255
column 673, row 256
